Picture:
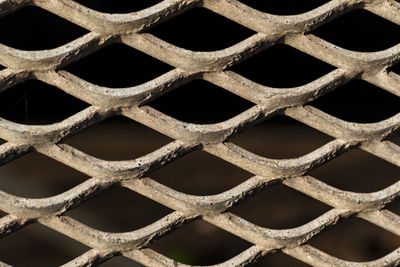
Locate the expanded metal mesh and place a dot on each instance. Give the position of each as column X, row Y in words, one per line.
column 210, row 66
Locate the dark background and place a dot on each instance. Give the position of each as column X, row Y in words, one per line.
column 198, row 29
column 118, row 65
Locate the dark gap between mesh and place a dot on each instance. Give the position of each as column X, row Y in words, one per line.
column 121, row 262
column 200, row 173
column 282, row 66
column 117, row 6
column 289, row 207
column 357, row 171
column 356, row 240
column 200, row 243
column 360, row 30
column 279, row 259
column 201, row 102
column 119, row 210
column 116, row 139
column 395, row 69
column 33, row 28
column 359, row 101
column 213, row 33
column 394, row 207
column 37, row 245
column 284, row 7
column 395, row 137
column 35, row 102
column 281, row 138
column 35, row 175
column 118, row 65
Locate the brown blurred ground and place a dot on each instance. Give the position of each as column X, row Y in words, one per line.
column 120, row 210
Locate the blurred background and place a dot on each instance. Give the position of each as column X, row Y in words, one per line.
column 199, row 173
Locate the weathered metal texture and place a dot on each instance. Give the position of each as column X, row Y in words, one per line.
column 130, row 102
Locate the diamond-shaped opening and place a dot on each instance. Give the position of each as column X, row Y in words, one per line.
column 118, row 6
column 2, row 141
column 215, row 32
column 2, row 67
column 359, row 101
column 279, row 259
column 37, row 245
column 395, row 138
column 286, row 7
column 395, row 68
column 282, row 66
column 120, row 139
column 201, row 102
column 2, row 214
column 289, row 207
column 200, row 173
column 118, row 65
column 358, row 171
column 121, row 262
column 119, row 210
column 394, row 207
column 356, row 240
column 200, row 243
column 35, row 102
column 360, row 30
column 281, row 137
column 33, row 28
column 26, row 177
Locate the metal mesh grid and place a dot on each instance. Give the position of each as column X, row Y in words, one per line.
column 210, row 66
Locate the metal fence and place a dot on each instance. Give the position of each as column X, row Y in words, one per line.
column 210, row 66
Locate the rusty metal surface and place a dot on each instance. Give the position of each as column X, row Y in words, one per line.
column 210, row 66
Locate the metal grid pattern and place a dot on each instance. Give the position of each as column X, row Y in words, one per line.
column 210, row 66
